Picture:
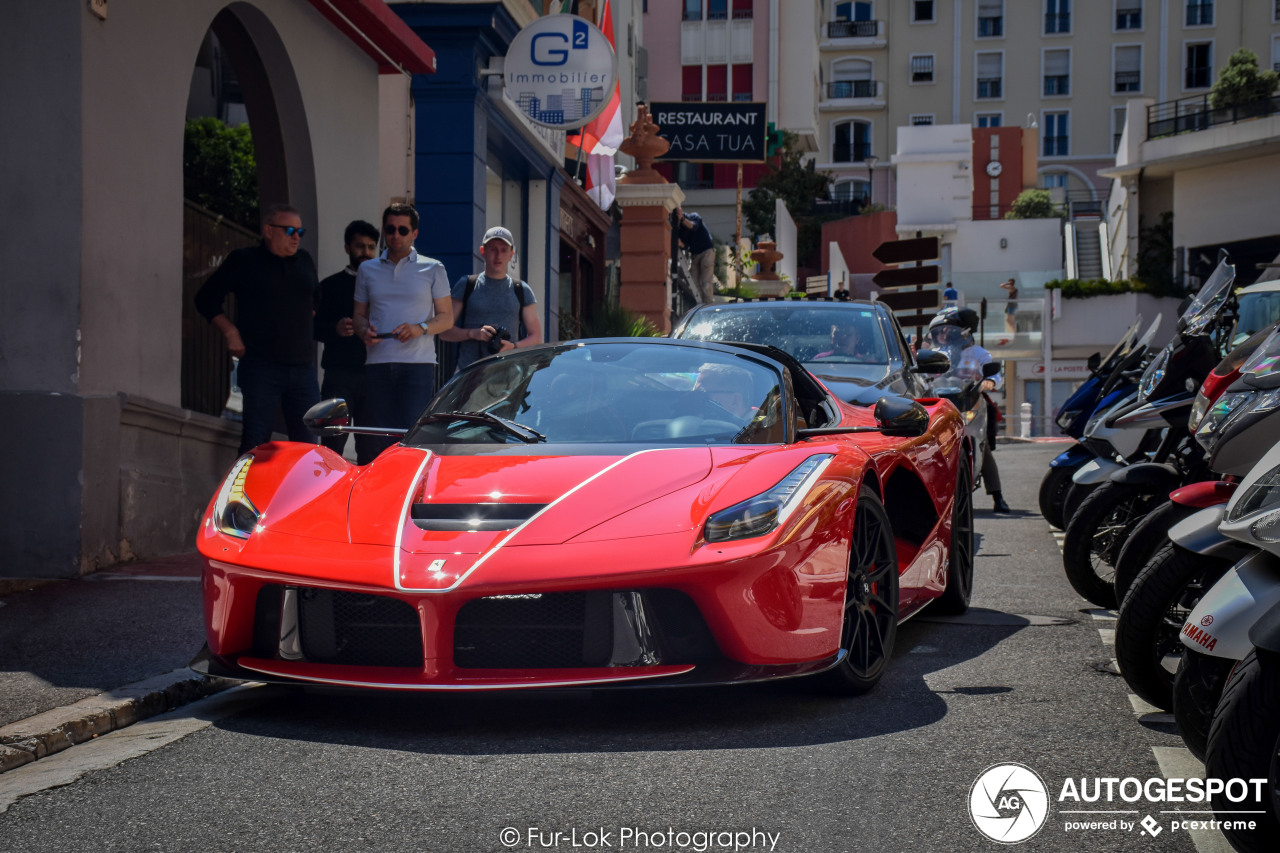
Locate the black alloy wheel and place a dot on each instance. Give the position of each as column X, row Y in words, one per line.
column 959, row 590
column 1197, row 689
column 1053, row 494
column 1149, row 626
column 1144, row 541
column 1097, row 532
column 1244, row 743
column 870, row 605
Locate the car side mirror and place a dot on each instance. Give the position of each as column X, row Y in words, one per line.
column 932, row 361
column 328, row 416
column 898, row 416
column 991, row 368
column 1094, row 362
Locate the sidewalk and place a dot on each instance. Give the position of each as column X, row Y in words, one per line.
column 79, row 658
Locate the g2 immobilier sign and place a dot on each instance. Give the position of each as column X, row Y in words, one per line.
column 716, row 132
column 560, row 70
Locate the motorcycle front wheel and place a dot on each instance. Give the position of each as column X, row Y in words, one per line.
column 1197, row 688
column 1097, row 532
column 1053, row 494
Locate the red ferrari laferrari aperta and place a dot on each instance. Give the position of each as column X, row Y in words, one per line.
column 595, row 513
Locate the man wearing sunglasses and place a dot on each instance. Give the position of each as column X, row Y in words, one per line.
column 401, row 303
column 276, row 289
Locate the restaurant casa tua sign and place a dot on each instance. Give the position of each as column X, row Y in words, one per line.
column 560, row 71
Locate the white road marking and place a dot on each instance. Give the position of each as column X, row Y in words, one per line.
column 1102, row 615
column 1178, row 763
column 1141, row 706
column 130, row 742
column 1108, row 636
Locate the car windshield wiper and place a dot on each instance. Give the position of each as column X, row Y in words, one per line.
column 520, row 431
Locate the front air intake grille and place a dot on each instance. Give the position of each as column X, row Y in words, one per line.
column 358, row 630
column 546, row 631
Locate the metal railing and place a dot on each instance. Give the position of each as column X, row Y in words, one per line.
column 1059, row 84
column 1056, row 146
column 1191, row 114
column 852, row 89
column 853, row 29
column 990, row 87
column 1128, row 81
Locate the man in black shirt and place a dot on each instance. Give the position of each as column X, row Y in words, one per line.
column 275, row 287
column 343, row 359
column 695, row 235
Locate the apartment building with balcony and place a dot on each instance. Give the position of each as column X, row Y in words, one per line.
column 733, row 50
column 1067, row 66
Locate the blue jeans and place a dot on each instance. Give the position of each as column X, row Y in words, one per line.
column 348, row 383
column 397, row 393
column 268, row 387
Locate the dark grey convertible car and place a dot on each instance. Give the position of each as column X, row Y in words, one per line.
column 855, row 348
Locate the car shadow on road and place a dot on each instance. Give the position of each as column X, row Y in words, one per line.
column 777, row 714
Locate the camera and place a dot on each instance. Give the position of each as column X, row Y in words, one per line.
column 495, row 343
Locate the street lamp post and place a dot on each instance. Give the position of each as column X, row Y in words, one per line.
column 870, row 160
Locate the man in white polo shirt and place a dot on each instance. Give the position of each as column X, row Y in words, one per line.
column 401, row 303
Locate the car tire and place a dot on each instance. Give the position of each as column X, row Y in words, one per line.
column 959, row 590
column 1244, row 743
column 1053, row 493
column 1197, row 689
column 1096, row 534
column 1144, row 541
column 1149, row 627
column 870, row 623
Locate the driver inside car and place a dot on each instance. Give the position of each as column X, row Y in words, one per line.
column 844, row 342
column 726, row 387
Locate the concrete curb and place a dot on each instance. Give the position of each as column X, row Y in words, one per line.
column 53, row 731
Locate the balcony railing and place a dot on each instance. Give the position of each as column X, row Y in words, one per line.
column 690, row 97
column 991, row 27
column 717, row 96
column 742, row 96
column 1191, row 114
column 1059, row 23
column 742, row 14
column 851, row 89
column 1128, row 81
column 853, row 29
column 990, row 87
column 846, row 153
column 1057, row 85
column 1055, row 146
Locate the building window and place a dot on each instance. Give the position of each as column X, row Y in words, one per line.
column 1057, row 16
column 852, row 142
column 990, row 75
column 1051, row 180
column 693, row 10
column 742, row 9
column 1128, row 68
column 852, row 79
column 1057, row 72
column 717, row 82
column 691, row 83
column 1199, row 71
column 1118, row 116
column 1056, row 135
column 1199, row 13
column 918, row 120
column 1275, row 51
column 988, row 120
column 742, row 83
column 922, row 68
column 717, row 10
column 922, row 11
column 854, row 190
column 852, row 20
column 990, row 18
column 1128, row 14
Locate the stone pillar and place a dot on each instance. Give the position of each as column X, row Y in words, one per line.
column 645, row 263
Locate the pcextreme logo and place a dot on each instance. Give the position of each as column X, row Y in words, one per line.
column 1008, row 803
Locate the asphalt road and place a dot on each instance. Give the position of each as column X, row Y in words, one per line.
column 1023, row 678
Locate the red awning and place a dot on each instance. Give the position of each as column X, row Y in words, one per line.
column 380, row 33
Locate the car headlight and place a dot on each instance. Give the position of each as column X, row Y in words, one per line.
column 758, row 515
column 1263, row 494
column 233, row 513
column 1154, row 373
column 1218, row 416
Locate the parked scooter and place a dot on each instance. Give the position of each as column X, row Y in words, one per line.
column 1112, row 378
column 1097, row 531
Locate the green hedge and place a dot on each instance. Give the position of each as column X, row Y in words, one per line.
column 1074, row 288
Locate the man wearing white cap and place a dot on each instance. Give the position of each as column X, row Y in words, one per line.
column 493, row 313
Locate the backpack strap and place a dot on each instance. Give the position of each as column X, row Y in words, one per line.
column 466, row 297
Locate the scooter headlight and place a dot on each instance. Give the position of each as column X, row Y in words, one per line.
column 1221, row 413
column 1198, row 410
column 1067, row 417
column 1263, row 494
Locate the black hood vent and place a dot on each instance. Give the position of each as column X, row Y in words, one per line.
column 486, row 516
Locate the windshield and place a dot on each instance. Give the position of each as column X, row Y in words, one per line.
column 1258, row 310
column 1266, row 358
column 1212, row 294
column 1124, row 345
column 607, row 393
column 809, row 333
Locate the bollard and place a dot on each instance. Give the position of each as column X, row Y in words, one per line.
column 1025, row 431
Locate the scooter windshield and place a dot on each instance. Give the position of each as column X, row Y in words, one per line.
column 1212, row 295
column 1266, row 358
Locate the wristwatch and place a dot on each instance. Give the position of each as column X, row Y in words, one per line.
column 423, row 327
